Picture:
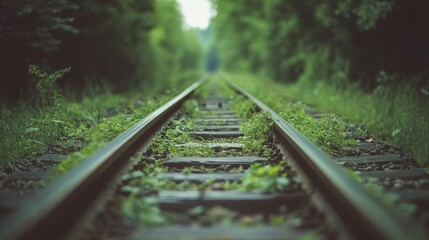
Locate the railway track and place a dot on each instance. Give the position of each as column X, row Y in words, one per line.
column 195, row 178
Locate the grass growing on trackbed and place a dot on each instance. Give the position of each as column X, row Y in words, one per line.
column 140, row 185
column 398, row 115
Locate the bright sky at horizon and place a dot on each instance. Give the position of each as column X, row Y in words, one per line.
column 196, row 13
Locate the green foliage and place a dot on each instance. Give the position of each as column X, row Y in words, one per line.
column 178, row 133
column 268, row 178
column 36, row 24
column 333, row 41
column 257, row 130
column 146, row 43
column 333, row 49
column 76, row 157
column 243, row 107
column 240, row 40
column 329, row 133
column 145, row 211
column 171, row 46
column 123, row 27
column 98, row 135
column 30, row 32
column 191, row 108
column 369, row 12
column 46, row 90
column 110, row 127
column 145, row 181
column 28, row 130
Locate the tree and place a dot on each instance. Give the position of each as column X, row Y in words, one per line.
column 120, row 42
column 30, row 31
column 335, row 41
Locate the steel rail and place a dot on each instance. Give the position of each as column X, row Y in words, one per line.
column 364, row 215
column 58, row 208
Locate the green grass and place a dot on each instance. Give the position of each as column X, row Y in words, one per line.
column 191, row 108
column 27, row 129
column 268, row 178
column 329, row 132
column 243, row 107
column 399, row 115
column 179, row 134
column 257, row 131
column 98, row 135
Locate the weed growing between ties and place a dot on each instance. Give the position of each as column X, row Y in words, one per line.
column 243, row 107
column 191, row 109
column 175, row 133
column 145, row 211
column 137, row 183
column 257, row 133
column 141, row 186
column 268, row 178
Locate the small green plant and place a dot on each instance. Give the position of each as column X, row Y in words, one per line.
column 229, row 185
column 268, row 178
column 146, row 211
column 257, row 131
column 76, row 157
column 178, row 133
column 97, row 137
column 110, row 128
column 187, row 170
column 30, row 130
column 46, row 90
column 242, row 106
column 191, row 108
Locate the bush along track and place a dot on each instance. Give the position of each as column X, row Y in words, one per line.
column 85, row 128
column 210, row 172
